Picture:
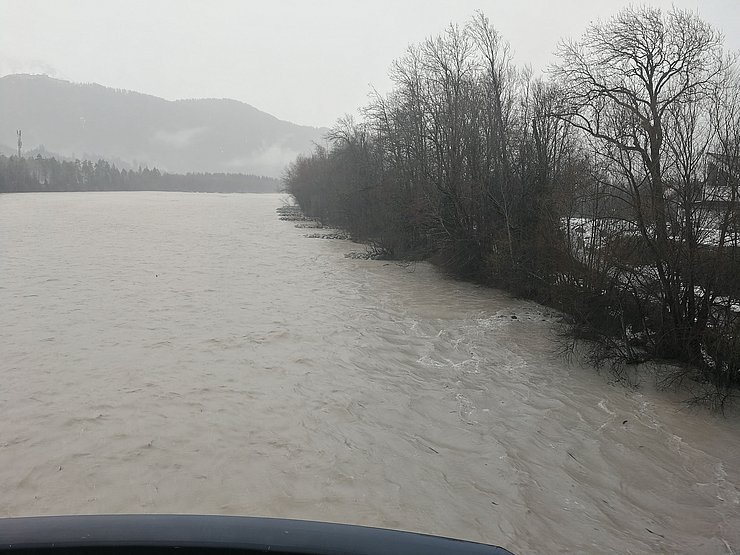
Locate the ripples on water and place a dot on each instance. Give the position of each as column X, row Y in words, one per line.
column 192, row 353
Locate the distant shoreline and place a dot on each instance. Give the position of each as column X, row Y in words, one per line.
column 144, row 191
column 39, row 175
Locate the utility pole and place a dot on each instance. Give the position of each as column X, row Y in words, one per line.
column 20, row 142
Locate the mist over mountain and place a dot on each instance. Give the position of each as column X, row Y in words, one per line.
column 89, row 121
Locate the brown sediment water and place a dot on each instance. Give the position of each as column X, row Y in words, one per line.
column 191, row 353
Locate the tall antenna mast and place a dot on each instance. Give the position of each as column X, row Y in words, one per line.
column 20, row 142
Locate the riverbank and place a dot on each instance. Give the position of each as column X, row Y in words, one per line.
column 41, row 175
column 591, row 327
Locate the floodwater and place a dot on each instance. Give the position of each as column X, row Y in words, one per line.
column 190, row 353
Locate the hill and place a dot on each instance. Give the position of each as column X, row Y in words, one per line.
column 89, row 121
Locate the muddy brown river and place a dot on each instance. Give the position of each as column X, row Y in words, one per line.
column 191, row 353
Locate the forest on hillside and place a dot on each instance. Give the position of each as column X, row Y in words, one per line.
column 19, row 174
column 609, row 188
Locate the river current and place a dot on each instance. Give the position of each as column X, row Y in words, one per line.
column 191, row 353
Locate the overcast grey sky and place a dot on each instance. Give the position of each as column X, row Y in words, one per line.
column 304, row 61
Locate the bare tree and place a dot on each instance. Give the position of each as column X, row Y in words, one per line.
column 627, row 82
column 591, row 191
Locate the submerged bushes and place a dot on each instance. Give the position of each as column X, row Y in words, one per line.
column 610, row 190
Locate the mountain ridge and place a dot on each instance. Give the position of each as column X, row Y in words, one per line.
column 184, row 135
